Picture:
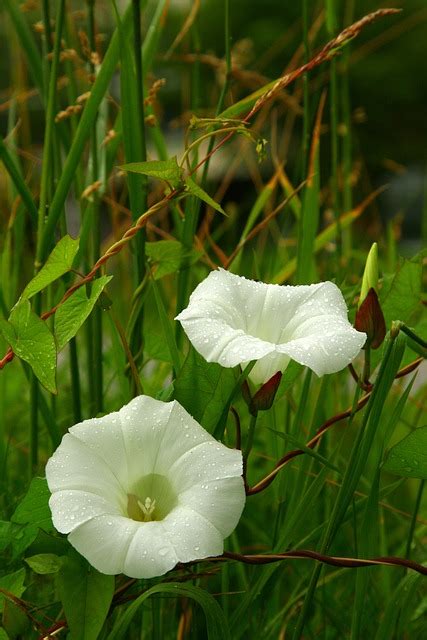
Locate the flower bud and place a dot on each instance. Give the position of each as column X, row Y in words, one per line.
column 264, row 397
column 370, row 275
column 370, row 320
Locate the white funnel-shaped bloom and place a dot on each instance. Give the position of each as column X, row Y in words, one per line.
column 232, row 320
column 141, row 489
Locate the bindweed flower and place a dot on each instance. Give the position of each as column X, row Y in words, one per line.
column 141, row 489
column 232, row 320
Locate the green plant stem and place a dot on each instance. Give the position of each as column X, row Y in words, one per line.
column 75, row 381
column 346, row 155
column 367, row 365
column 250, row 436
column 193, row 209
column 83, row 132
column 360, row 451
column 17, row 180
column 412, row 526
column 137, row 41
column 93, row 209
column 331, row 23
column 46, row 179
column 306, row 97
column 413, row 336
column 48, row 140
column 34, row 425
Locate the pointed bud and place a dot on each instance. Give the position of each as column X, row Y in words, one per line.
column 370, row 320
column 370, row 275
column 264, row 397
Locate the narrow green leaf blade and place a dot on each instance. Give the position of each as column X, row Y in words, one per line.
column 72, row 314
column 21, row 187
column 59, row 262
column 216, row 622
column 32, row 341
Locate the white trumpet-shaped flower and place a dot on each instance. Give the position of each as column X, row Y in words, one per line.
column 232, row 320
column 141, row 489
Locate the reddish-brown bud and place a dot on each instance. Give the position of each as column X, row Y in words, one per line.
column 264, row 397
column 370, row 320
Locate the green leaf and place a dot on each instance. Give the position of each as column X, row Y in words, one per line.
column 45, row 563
column 168, row 334
column 7, row 532
column 216, row 623
column 59, row 262
column 404, row 295
column 86, row 596
column 71, row 315
column 167, row 170
column 197, row 191
column 32, row 341
column 155, row 344
column 203, row 389
column 167, row 255
column 408, row 458
column 33, row 513
column 13, row 583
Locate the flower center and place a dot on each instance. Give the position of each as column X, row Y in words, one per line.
column 151, row 498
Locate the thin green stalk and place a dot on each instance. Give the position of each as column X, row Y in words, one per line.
column 412, row 526
column 220, row 426
column 34, row 425
column 46, row 179
column 27, row 42
column 361, row 448
column 15, row 175
column 75, row 381
column 347, row 163
column 250, row 436
column 331, row 23
column 306, row 95
column 48, row 138
column 84, row 130
column 93, row 209
column 193, row 207
column 138, row 52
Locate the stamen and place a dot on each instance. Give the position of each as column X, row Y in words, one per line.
column 147, row 508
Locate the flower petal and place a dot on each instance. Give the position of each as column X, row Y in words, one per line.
column 75, row 466
column 158, row 434
column 266, row 367
column 326, row 344
column 70, row 509
column 208, row 461
column 192, row 536
column 104, row 541
column 219, row 316
column 104, row 435
column 220, row 502
column 150, row 552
